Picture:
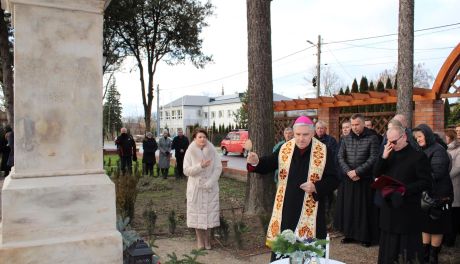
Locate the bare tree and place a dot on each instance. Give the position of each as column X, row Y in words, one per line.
column 405, row 73
column 422, row 76
column 259, row 191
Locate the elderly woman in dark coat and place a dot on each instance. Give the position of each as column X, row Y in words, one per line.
column 432, row 229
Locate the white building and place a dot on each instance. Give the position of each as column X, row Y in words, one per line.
column 203, row 111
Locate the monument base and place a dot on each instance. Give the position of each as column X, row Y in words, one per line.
column 63, row 219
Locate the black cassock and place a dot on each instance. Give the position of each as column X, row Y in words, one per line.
column 294, row 195
column 400, row 218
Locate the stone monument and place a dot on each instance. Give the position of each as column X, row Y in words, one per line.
column 58, row 206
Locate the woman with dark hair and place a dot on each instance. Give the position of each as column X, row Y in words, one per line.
column 434, row 226
column 203, row 167
column 150, row 146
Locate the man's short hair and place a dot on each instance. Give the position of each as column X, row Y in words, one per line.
column 346, row 121
column 399, row 129
column 356, row 116
column 288, row 129
column 320, row 123
column 395, row 122
column 457, row 125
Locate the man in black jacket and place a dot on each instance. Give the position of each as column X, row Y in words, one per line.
column 355, row 214
column 126, row 150
column 400, row 211
column 180, row 144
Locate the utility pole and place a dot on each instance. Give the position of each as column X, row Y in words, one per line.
column 158, row 110
column 317, row 79
column 318, row 68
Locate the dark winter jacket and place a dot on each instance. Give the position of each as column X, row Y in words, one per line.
column 126, row 145
column 412, row 168
column 359, row 153
column 440, row 163
column 150, row 146
column 178, row 144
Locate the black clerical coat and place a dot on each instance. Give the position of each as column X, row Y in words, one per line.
column 294, row 196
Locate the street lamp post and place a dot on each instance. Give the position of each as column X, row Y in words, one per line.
column 318, row 66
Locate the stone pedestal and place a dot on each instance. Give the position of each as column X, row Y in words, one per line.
column 58, row 206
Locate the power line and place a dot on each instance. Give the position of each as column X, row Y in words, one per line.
column 332, row 42
column 388, row 35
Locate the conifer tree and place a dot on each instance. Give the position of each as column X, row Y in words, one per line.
column 354, row 86
column 112, row 110
column 388, row 84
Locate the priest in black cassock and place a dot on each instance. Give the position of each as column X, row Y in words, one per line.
column 356, row 216
column 306, row 175
column 400, row 212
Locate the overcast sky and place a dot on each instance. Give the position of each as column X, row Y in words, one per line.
column 294, row 22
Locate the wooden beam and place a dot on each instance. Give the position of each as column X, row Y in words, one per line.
column 449, row 95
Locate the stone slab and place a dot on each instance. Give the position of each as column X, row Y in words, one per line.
column 96, row 248
column 54, row 207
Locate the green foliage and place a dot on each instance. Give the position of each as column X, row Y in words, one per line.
column 380, row 86
column 341, row 91
column 150, row 219
column 455, row 116
column 172, row 222
column 154, row 31
column 347, row 91
column 446, row 112
column 286, row 244
column 241, row 116
column 371, row 86
column 128, row 235
column 188, row 259
column 363, row 85
column 112, row 110
column 224, row 229
column 354, row 86
column 264, row 220
column 239, row 228
column 388, row 84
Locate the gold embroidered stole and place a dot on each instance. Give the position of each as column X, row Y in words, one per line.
column 306, row 227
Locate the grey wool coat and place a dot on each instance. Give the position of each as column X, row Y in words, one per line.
column 202, row 186
column 164, row 145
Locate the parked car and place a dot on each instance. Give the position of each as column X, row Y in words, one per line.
column 234, row 142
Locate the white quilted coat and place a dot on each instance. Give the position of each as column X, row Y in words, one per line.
column 202, row 186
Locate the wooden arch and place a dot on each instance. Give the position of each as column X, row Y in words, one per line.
column 449, row 76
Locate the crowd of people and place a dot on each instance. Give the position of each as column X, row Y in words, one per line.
column 400, row 190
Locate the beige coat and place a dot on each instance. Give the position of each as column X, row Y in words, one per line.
column 454, row 151
column 202, row 186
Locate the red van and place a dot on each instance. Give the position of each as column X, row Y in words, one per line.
column 234, row 142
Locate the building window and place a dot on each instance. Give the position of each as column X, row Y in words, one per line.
column 213, row 114
column 229, row 113
column 221, row 113
column 199, row 112
column 205, row 114
column 167, row 115
column 161, row 115
column 179, row 114
column 173, row 114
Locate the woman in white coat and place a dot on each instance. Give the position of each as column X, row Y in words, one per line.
column 203, row 167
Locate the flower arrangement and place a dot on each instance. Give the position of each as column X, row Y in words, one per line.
column 298, row 250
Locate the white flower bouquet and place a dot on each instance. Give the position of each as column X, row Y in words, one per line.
column 298, row 250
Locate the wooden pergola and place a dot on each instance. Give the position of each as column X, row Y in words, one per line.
column 428, row 104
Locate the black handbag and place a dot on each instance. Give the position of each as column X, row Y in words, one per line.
column 433, row 206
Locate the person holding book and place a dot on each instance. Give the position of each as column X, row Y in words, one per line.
column 401, row 173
